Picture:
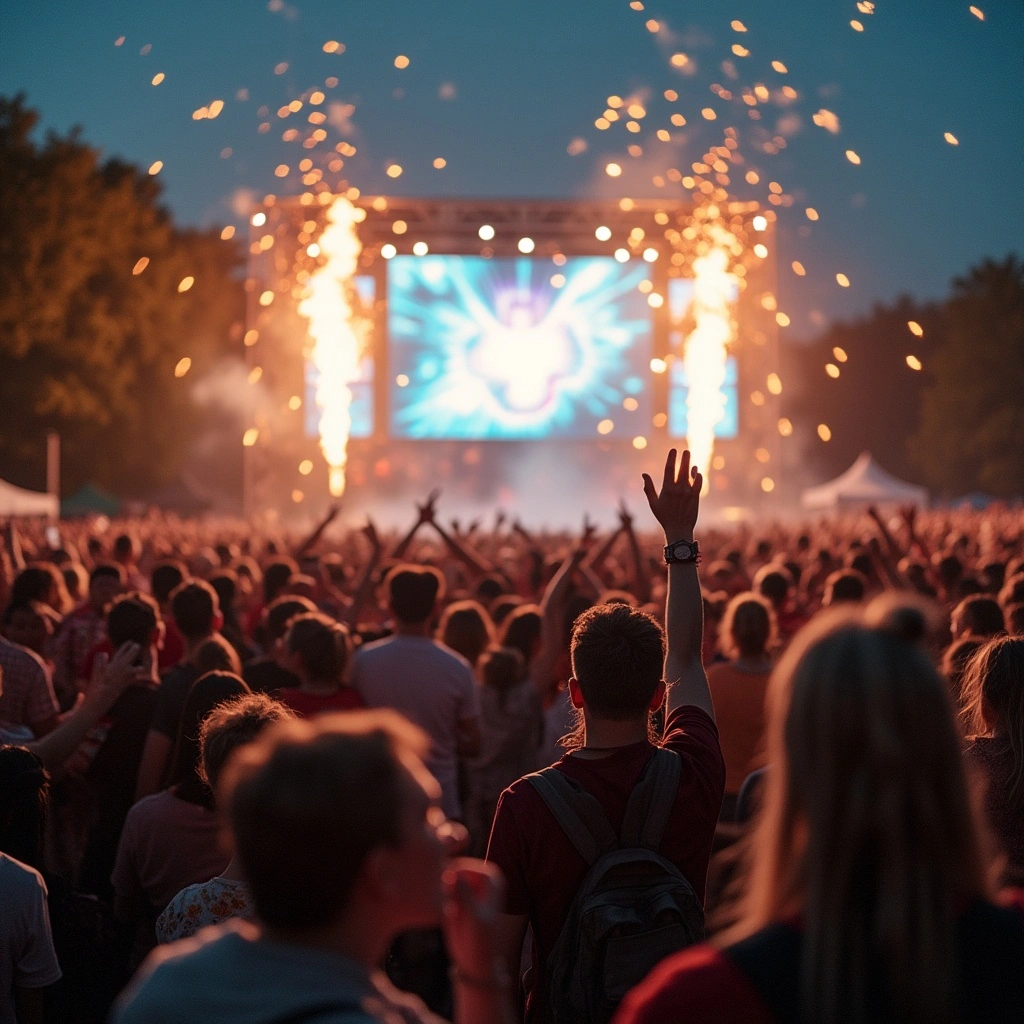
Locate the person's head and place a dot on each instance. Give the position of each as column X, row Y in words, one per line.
column 125, row 550
column 215, row 654
column 617, row 653
column 978, row 616
column 955, row 660
column 501, row 668
column 276, row 577
column 867, row 828
column 993, row 574
column 466, row 627
column 502, row 607
column 318, row 648
column 24, row 800
column 205, row 694
column 134, row 618
column 1013, row 591
column 489, row 588
column 845, row 586
column 42, row 583
column 28, row 625
column 1015, row 619
column 76, row 581
column 521, row 630
column 280, row 612
column 225, row 584
column 335, row 818
column 230, row 725
column 774, row 582
column 993, row 701
column 413, row 593
column 165, row 578
column 949, row 569
column 747, row 630
column 196, row 610
column 106, row 581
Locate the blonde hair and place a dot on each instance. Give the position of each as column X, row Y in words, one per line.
column 867, row 829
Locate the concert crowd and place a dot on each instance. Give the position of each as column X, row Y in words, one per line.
column 490, row 773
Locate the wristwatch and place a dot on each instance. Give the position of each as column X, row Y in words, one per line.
column 682, row 551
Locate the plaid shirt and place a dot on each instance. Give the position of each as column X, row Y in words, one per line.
column 79, row 633
column 27, row 696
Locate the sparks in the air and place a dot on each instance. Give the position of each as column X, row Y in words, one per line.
column 336, row 345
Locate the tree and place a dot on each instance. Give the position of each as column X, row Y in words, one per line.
column 971, row 435
column 89, row 341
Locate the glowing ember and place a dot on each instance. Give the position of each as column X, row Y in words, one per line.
column 336, row 345
column 704, row 354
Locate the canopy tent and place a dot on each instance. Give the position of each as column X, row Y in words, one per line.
column 90, row 500
column 16, row 501
column 864, row 483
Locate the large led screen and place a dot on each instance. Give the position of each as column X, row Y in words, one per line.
column 517, row 348
column 361, row 409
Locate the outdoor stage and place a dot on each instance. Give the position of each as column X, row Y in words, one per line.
column 525, row 354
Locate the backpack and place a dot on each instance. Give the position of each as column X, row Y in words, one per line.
column 633, row 908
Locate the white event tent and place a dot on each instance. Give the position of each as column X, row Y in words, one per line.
column 864, row 483
column 16, row 501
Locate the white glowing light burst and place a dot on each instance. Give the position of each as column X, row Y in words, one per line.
column 706, row 348
column 336, row 343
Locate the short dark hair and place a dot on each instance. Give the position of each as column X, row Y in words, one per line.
column 110, row 569
column 845, row 585
column 321, row 643
column 276, row 577
column 194, row 605
column 747, row 628
column 618, row 656
column 308, row 801
column 132, row 618
column 124, row 545
column 282, row 610
column 165, row 577
column 981, row 615
column 414, row 591
column 1015, row 619
column 773, row 582
column 231, row 724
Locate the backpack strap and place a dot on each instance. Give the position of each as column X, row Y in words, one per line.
column 580, row 815
column 651, row 802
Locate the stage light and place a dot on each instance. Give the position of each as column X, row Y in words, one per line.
column 183, row 366
column 840, row 354
column 313, row 250
column 650, row 255
column 658, row 365
column 402, row 380
column 767, row 484
column 259, row 219
column 622, row 255
column 526, row 246
column 605, row 427
column 655, row 301
column 250, row 437
column 760, row 223
column 399, row 227
column 486, row 232
column 785, row 427
column 295, row 403
column 387, row 250
column 185, row 283
column 602, row 234
column 306, row 467
column 761, row 250
column 613, row 170
column 420, row 249
column 824, row 433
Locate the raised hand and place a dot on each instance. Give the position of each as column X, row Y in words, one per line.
column 428, row 510
column 369, row 531
column 677, row 504
column 625, row 516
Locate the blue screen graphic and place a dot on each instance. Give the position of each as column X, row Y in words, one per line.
column 361, row 409
column 517, row 348
column 680, row 299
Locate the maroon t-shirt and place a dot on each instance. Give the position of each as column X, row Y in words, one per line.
column 542, row 868
column 306, row 705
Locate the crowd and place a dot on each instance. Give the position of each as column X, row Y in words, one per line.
column 492, row 774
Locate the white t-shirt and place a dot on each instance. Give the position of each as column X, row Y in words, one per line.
column 433, row 687
column 27, row 956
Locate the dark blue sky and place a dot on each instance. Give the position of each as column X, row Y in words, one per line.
column 529, row 76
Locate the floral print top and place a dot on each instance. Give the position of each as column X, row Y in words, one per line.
column 197, row 906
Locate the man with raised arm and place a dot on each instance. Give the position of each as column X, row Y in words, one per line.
column 621, row 675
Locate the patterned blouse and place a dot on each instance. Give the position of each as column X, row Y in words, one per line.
column 197, row 906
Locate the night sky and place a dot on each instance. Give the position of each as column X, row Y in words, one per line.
column 501, row 89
